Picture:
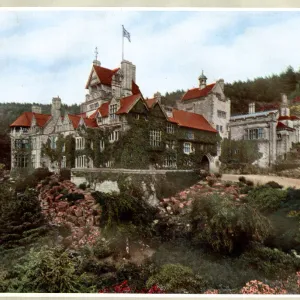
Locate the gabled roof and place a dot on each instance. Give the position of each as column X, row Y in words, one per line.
column 150, row 102
column 127, row 103
column 25, row 119
column 135, row 89
column 91, row 123
column 191, row 120
column 105, row 75
column 197, row 93
column 281, row 126
column 74, row 119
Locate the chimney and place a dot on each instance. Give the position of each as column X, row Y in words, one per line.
column 128, row 71
column 252, row 108
column 157, row 96
column 284, row 100
column 56, row 107
column 36, row 109
column 221, row 82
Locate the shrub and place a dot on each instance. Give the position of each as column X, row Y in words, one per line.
column 73, row 197
column 102, row 249
column 273, row 185
column 228, row 184
column 226, row 225
column 47, row 271
column 270, row 262
column 218, row 175
column 242, row 179
column 82, row 186
column 211, row 182
column 176, row 278
column 266, row 199
column 249, row 183
column 41, row 173
column 64, row 174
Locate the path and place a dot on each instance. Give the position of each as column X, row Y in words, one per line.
column 285, row 181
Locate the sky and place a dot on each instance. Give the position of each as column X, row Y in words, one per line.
column 49, row 53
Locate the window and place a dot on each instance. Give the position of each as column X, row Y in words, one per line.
column 112, row 111
column 33, row 143
column 80, row 143
column 81, row 162
column 102, row 145
column 21, row 161
column 187, row 148
column 114, row 136
column 190, row 135
column 254, row 134
column 221, row 114
column 170, row 162
column 279, row 136
column 155, row 138
column 53, row 142
column 137, row 116
column 21, row 144
column 217, row 127
column 170, row 128
column 170, row 144
column 221, row 128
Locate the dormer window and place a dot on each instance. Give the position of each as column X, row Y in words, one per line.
column 112, row 111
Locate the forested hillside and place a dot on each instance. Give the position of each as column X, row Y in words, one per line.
column 261, row 90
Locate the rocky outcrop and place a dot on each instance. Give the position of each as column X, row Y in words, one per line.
column 73, row 210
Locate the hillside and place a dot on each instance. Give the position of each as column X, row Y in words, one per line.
column 261, row 90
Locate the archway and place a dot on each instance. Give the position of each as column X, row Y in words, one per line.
column 204, row 164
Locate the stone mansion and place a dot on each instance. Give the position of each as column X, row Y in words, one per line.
column 182, row 137
column 186, row 137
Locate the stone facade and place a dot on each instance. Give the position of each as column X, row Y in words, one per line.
column 275, row 131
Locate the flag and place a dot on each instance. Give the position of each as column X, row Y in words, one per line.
column 126, row 34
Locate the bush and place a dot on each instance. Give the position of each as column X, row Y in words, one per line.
column 225, row 225
column 73, row 197
column 218, row 175
column 266, row 199
column 82, row 186
column 273, row 185
column 270, row 262
column 65, row 174
column 175, row 278
column 211, row 182
column 249, row 183
column 41, row 173
column 242, row 179
column 102, row 249
column 47, row 271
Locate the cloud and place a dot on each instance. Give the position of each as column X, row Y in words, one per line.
column 45, row 54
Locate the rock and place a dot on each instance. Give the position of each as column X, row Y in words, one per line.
column 90, row 221
column 78, row 212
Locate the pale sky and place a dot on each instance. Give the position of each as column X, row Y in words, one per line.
column 48, row 53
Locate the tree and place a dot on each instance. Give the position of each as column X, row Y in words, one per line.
column 54, row 149
column 226, row 225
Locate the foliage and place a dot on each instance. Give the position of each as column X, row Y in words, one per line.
column 271, row 263
column 266, row 199
column 226, row 225
column 47, row 271
column 241, row 152
column 64, row 174
column 21, row 220
column 242, row 179
column 176, row 278
column 82, row 186
column 258, row 287
column 124, row 215
column 274, row 185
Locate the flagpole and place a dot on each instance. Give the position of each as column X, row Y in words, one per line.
column 122, row 42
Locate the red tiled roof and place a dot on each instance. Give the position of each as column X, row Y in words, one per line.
column 271, row 106
column 281, row 126
column 197, row 93
column 75, row 120
column 105, row 75
column 284, row 118
column 90, row 122
column 135, row 88
column 25, row 119
column 191, row 120
column 127, row 103
column 150, row 102
column 103, row 109
column 294, row 118
column 81, row 115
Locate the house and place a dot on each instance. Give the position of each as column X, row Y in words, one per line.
column 274, row 130
column 118, row 128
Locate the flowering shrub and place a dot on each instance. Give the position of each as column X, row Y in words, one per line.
column 125, row 288
column 211, row 292
column 258, row 287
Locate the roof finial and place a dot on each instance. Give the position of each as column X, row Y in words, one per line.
column 96, row 53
